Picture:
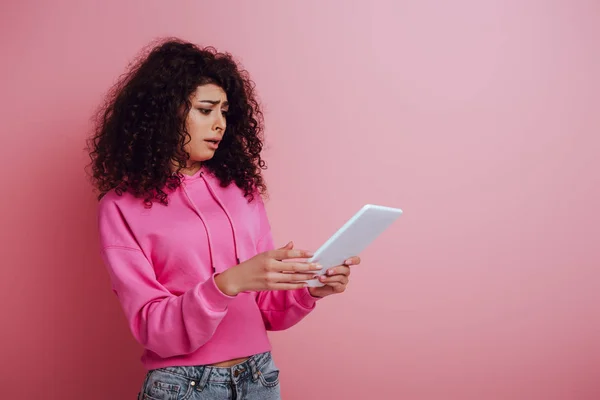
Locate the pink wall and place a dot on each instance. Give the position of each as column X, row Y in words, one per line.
column 479, row 119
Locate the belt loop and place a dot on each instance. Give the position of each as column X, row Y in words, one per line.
column 253, row 368
column 204, row 378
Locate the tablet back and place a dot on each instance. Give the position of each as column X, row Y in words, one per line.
column 355, row 235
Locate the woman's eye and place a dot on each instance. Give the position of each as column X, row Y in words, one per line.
column 205, row 111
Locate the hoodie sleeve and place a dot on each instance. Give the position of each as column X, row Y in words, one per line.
column 280, row 309
column 164, row 323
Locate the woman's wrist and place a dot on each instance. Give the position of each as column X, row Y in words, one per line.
column 226, row 283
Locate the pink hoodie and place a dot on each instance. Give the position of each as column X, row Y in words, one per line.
column 162, row 262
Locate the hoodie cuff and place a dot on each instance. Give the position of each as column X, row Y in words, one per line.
column 305, row 299
column 215, row 299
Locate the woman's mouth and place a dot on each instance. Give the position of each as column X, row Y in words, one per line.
column 212, row 143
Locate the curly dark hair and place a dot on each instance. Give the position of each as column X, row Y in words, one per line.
column 140, row 131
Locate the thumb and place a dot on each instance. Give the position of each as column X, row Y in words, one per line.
column 288, row 246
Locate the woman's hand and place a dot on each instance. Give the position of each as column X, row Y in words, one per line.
column 268, row 271
column 336, row 280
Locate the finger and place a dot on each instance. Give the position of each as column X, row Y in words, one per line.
column 337, row 287
column 288, row 246
column 341, row 270
column 292, row 278
column 284, row 254
column 288, row 286
column 296, row 267
column 336, row 279
column 352, row 261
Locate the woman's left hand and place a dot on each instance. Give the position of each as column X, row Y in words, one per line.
column 336, row 279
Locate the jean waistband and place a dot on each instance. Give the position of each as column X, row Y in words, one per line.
column 206, row 373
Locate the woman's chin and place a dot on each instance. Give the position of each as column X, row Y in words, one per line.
column 205, row 156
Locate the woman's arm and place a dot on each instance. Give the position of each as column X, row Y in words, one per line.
column 280, row 309
column 162, row 322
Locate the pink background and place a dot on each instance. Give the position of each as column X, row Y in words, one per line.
column 479, row 118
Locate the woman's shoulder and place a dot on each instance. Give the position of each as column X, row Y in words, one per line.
column 114, row 200
column 114, row 196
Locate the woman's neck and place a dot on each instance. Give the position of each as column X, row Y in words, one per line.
column 192, row 168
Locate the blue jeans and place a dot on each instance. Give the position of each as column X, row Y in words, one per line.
column 255, row 379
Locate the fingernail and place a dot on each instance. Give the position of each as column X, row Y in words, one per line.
column 330, row 272
column 317, row 266
column 322, row 278
column 348, row 262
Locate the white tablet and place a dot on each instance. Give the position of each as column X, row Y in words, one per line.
column 353, row 237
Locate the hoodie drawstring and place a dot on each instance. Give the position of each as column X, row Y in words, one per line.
column 220, row 203
column 212, row 263
column 235, row 241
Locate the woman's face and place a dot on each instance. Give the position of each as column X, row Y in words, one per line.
column 206, row 123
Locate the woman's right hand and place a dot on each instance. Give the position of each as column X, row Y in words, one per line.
column 268, row 271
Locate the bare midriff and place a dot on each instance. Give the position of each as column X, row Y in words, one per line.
column 229, row 363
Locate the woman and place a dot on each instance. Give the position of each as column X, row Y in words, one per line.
column 176, row 158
